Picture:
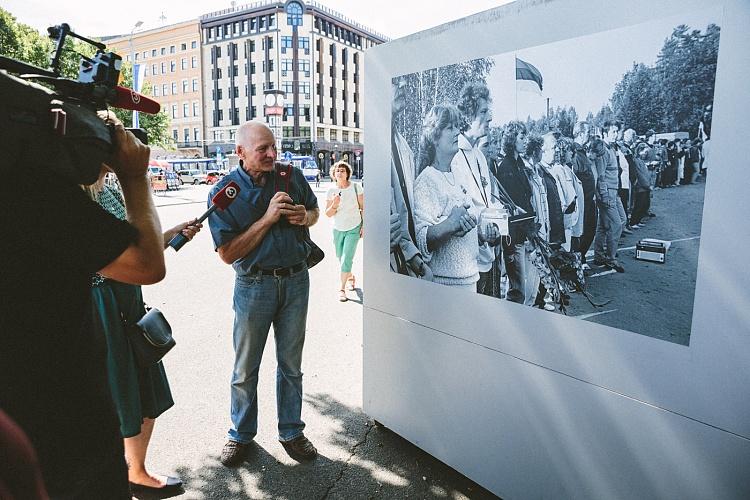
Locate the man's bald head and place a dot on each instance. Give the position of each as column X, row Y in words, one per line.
column 249, row 132
column 256, row 147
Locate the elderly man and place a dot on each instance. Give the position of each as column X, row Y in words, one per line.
column 470, row 169
column 405, row 256
column 261, row 236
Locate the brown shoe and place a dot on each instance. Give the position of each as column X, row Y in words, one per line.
column 233, row 453
column 300, row 448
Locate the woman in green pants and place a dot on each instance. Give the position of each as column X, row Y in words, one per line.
column 345, row 203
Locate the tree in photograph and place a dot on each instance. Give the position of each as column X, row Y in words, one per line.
column 637, row 101
column 436, row 86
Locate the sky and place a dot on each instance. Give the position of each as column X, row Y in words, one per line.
column 583, row 71
column 393, row 18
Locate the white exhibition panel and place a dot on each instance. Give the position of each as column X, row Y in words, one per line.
column 664, row 415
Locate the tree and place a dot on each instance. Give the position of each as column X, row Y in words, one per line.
column 22, row 42
column 156, row 126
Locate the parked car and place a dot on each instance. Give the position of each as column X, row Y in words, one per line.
column 212, row 178
column 192, row 177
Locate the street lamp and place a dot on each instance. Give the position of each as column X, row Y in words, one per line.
column 132, row 62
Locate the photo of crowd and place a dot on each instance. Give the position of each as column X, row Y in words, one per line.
column 510, row 179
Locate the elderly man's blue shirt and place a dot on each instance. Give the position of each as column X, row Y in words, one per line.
column 283, row 244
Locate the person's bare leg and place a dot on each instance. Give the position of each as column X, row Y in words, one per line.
column 135, row 454
column 344, row 279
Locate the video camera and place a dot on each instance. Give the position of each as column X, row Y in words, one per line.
column 59, row 129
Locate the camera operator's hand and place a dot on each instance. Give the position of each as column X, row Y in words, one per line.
column 130, row 158
column 142, row 262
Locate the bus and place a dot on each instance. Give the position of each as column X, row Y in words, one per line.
column 308, row 166
column 202, row 164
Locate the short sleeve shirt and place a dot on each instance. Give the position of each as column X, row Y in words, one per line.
column 283, row 245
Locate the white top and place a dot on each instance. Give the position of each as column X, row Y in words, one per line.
column 347, row 216
column 454, row 262
column 471, row 171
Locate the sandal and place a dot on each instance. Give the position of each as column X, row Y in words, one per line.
column 342, row 296
column 350, row 284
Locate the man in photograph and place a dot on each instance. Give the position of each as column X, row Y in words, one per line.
column 611, row 212
column 261, row 236
column 470, row 169
column 586, row 173
column 405, row 256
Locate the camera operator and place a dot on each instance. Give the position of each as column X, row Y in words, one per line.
column 52, row 367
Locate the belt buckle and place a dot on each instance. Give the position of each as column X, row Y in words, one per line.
column 277, row 271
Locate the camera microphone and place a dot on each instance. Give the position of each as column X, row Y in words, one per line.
column 220, row 200
column 126, row 98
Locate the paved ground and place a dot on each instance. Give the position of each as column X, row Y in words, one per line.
column 650, row 298
column 358, row 459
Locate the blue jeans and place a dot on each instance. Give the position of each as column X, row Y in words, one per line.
column 260, row 301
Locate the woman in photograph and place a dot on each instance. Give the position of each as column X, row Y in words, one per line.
column 345, row 202
column 569, row 189
column 444, row 214
column 140, row 395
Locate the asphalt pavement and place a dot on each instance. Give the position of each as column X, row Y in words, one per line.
column 358, row 459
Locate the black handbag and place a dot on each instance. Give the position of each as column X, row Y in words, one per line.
column 150, row 338
column 316, row 253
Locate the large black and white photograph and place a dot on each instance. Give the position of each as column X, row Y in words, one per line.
column 566, row 177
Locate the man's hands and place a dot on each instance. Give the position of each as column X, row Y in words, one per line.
column 282, row 205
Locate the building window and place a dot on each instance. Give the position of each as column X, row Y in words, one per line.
column 183, row 46
column 195, row 85
column 356, row 136
column 163, row 68
column 183, row 63
column 218, row 51
column 164, row 89
column 334, row 135
column 153, row 52
column 174, row 88
column 194, row 62
column 174, row 134
column 172, row 66
column 294, row 14
column 174, row 112
column 286, row 43
column 186, row 134
column 154, row 69
column 171, row 49
column 321, row 133
column 185, row 110
column 244, row 26
column 345, row 135
column 195, row 108
column 288, row 131
column 184, row 86
column 194, row 44
column 156, row 91
column 163, row 51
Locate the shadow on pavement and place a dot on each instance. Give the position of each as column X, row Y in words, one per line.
column 362, row 460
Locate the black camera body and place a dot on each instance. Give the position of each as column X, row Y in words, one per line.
column 58, row 130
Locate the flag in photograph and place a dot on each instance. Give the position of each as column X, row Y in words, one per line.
column 528, row 78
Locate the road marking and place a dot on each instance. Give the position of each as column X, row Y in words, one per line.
column 604, row 273
column 591, row 315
